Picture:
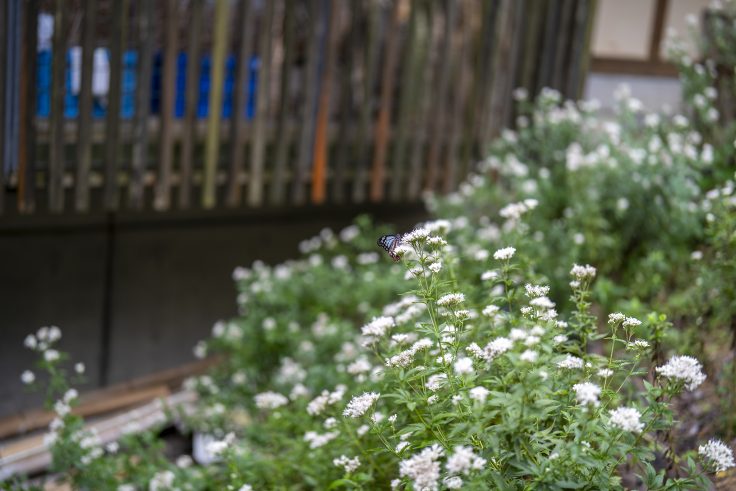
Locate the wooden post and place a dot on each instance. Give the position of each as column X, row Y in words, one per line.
column 27, row 141
column 142, row 103
column 283, row 140
column 304, row 152
column 212, row 144
column 168, row 90
column 84, row 134
column 56, row 152
column 237, row 119
column 383, row 125
column 192, row 96
column 319, row 168
column 112, row 125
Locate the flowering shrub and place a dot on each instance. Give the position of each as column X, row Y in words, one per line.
column 459, row 382
column 493, row 355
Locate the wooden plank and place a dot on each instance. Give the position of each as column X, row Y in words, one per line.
column 111, row 397
column 112, row 127
column 485, row 58
column 439, row 99
column 519, row 16
column 583, row 57
column 547, row 54
column 345, row 110
column 56, row 152
column 282, row 138
column 567, row 13
column 258, row 147
column 168, row 91
column 370, row 49
column 140, row 156
column 84, row 135
column 383, row 125
column 501, row 83
column 660, row 17
column 237, row 125
column 212, row 143
column 424, row 31
column 304, row 152
column 458, row 100
column 319, row 156
column 27, row 157
column 192, row 96
column 532, row 48
column 633, row 67
column 407, row 104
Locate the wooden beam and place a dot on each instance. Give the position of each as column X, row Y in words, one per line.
column 58, row 90
column 633, row 67
column 112, row 127
column 660, row 17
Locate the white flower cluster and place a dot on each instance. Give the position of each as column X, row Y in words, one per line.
column 493, row 349
column 570, row 362
column 450, row 299
column 423, row 468
column 359, row 405
column 217, row 447
column 504, row 254
column 350, row 465
column 326, row 398
column 463, row 460
column 162, row 481
column 533, row 291
column 270, row 400
column 685, row 368
column 378, row 327
column 627, row 419
column 514, row 211
column 587, row 393
column 582, row 273
column 463, row 366
column 436, row 381
column 43, row 339
column 405, row 358
column 317, row 440
column 416, row 236
column 479, row 394
column 718, row 453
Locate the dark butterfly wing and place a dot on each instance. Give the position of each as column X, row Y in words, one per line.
column 389, row 243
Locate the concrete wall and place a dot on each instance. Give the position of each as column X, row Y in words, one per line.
column 154, row 283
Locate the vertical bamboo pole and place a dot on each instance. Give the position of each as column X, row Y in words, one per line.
column 168, row 90
column 258, row 147
column 237, row 119
column 319, row 169
column 192, row 96
column 212, row 143
column 84, row 135
column 56, row 152
column 142, row 103
column 112, row 125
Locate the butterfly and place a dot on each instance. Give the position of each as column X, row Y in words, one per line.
column 389, row 244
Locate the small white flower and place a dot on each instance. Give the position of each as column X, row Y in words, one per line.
column 435, row 267
column 479, row 394
column 51, row 355
column 504, row 254
column 616, row 317
column 529, row 356
column 359, row 405
column 27, row 377
column 30, row 342
column 184, row 461
column 350, row 465
column 450, row 299
column 79, row 368
column 570, row 362
column 270, row 400
column 581, row 273
column 605, row 372
column 685, row 368
column 378, row 327
column 587, row 393
column 454, row 482
column 720, row 455
column 200, row 350
column 436, row 381
column 627, row 419
column 560, row 338
column 463, row 366
column 631, row 322
column 489, row 275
